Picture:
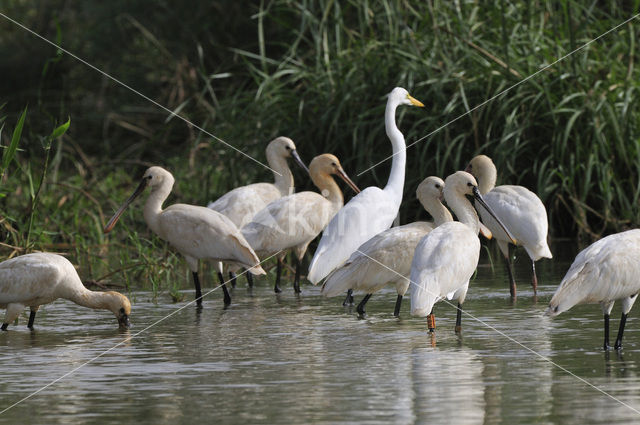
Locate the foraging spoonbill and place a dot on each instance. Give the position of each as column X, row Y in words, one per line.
column 519, row 209
column 32, row 280
column 242, row 203
column 196, row 232
column 604, row 272
column 372, row 210
column 293, row 221
column 446, row 258
column 386, row 257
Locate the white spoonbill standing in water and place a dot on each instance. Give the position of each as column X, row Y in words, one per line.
column 32, row 280
column 386, row 257
column 243, row 203
column 446, row 257
column 604, row 272
column 294, row 221
column 372, row 210
column 519, row 209
column 196, row 232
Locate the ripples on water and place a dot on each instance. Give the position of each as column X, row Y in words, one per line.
column 284, row 359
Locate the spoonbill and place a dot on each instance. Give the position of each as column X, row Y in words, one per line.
column 371, row 211
column 196, row 232
column 293, row 221
column 519, row 209
column 604, row 272
column 32, row 280
column 242, row 203
column 446, row 258
column 386, row 257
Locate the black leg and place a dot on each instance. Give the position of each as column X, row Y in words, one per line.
column 459, row 318
column 250, row 279
column 196, row 283
column 534, row 279
column 232, row 276
column 606, row 332
column 396, row 311
column 512, row 281
column 618, row 344
column 4, row 326
column 227, row 297
column 349, row 299
column 296, row 280
column 32, row 317
column 360, row 308
column 276, row 287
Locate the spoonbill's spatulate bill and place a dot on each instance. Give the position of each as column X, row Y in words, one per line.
column 371, row 211
column 606, row 271
column 519, row 209
column 386, row 258
column 32, row 280
column 446, row 258
column 293, row 221
column 196, row 232
column 243, row 203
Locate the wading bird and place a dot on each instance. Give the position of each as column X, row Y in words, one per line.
column 446, row 258
column 243, row 203
column 32, row 280
column 386, row 258
column 372, row 210
column 294, row 221
column 196, row 232
column 519, row 209
column 604, row 272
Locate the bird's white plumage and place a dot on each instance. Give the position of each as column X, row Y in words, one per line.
column 444, row 261
column 32, row 280
column 371, row 211
column 604, row 272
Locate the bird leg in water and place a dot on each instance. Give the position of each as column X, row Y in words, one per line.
column 227, row 297
column 459, row 318
column 512, row 281
column 250, row 279
column 196, row 283
column 32, row 317
column 349, row 299
column 534, row 281
column 431, row 322
column 296, row 280
column 4, row 326
column 360, row 308
column 396, row 311
column 618, row 344
column 606, row 332
column 232, row 276
column 276, row 287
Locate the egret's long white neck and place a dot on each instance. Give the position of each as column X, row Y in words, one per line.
column 281, row 173
column 463, row 209
column 395, row 185
column 153, row 206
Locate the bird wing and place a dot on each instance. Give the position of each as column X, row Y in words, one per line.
column 204, row 233
column 288, row 222
column 367, row 214
column 242, row 203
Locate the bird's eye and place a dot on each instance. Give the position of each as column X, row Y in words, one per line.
column 470, row 184
column 287, row 148
column 122, row 310
column 437, row 186
column 149, row 177
column 333, row 163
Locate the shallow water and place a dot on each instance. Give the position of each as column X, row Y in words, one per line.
column 287, row 359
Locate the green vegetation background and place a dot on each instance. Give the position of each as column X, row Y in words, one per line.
column 318, row 72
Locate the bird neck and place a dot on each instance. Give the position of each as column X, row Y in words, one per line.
column 281, row 173
column 328, row 188
column 463, row 210
column 395, row 185
column 439, row 212
column 153, row 206
column 487, row 178
column 92, row 299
